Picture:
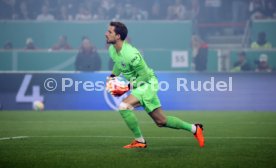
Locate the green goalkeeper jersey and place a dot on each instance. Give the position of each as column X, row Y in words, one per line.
column 129, row 62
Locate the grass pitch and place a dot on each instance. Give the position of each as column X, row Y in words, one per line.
column 95, row 139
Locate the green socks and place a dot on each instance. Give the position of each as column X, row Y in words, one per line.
column 131, row 122
column 172, row 122
column 176, row 123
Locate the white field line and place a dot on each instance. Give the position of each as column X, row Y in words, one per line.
column 102, row 136
column 15, row 137
column 141, row 122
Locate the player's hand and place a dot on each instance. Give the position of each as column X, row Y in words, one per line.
column 118, row 93
column 110, row 77
column 116, row 87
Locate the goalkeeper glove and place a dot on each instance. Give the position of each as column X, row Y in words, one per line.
column 116, row 87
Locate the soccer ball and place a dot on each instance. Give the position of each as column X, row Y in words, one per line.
column 38, row 105
column 121, row 81
column 117, row 86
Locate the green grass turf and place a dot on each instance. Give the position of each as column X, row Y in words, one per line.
column 80, row 139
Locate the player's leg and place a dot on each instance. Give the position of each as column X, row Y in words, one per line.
column 126, row 110
column 136, row 98
column 161, row 120
column 176, row 123
column 151, row 103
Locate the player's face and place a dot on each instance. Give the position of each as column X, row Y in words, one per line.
column 111, row 36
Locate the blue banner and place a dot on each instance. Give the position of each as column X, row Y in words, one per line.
column 177, row 91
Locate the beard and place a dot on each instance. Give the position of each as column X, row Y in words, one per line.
column 110, row 42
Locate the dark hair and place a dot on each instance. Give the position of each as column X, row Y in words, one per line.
column 64, row 37
column 84, row 37
column 120, row 29
column 261, row 34
column 8, row 45
column 242, row 53
column 261, row 38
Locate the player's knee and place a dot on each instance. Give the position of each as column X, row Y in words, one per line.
column 160, row 123
column 125, row 106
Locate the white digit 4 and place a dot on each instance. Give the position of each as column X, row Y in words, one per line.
column 21, row 96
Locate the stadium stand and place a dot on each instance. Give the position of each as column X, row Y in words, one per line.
column 226, row 35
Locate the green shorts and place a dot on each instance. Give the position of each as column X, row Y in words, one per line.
column 147, row 95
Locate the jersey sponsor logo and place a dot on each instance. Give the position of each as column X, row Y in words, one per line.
column 123, row 64
column 134, row 59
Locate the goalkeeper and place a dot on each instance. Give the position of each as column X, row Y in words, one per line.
column 129, row 62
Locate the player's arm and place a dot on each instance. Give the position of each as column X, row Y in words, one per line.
column 140, row 68
column 115, row 71
column 115, row 86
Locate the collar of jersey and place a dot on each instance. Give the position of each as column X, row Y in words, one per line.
column 120, row 52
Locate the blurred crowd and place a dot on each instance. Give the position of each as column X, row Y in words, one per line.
column 86, row 10
column 262, row 64
column 244, row 65
column 199, row 11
